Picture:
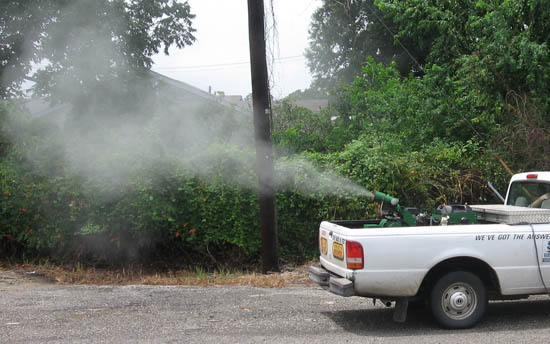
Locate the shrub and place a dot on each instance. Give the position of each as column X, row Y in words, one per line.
column 201, row 211
column 205, row 210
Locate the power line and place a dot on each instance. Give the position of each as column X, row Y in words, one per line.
column 395, row 38
column 218, row 66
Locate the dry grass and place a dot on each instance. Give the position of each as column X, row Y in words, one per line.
column 70, row 275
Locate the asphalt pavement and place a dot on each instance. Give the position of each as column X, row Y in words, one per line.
column 33, row 312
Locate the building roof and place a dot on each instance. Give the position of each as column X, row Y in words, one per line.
column 229, row 101
column 178, row 91
column 315, row 105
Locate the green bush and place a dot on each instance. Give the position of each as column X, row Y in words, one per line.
column 163, row 209
column 451, row 173
column 297, row 129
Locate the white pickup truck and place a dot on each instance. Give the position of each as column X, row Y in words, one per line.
column 454, row 269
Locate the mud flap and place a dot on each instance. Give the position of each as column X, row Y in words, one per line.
column 400, row 311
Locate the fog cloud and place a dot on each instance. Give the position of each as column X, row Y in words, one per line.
column 121, row 122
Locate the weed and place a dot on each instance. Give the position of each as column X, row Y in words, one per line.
column 197, row 276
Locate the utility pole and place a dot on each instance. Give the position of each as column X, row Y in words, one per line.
column 261, row 104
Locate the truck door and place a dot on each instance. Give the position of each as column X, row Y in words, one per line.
column 542, row 242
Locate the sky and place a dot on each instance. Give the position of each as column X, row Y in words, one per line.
column 219, row 58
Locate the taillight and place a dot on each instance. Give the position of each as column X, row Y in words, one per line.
column 354, row 255
column 532, row 176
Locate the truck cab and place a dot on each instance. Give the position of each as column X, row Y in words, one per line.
column 531, row 189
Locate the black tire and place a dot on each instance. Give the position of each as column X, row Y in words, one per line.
column 458, row 300
column 417, row 305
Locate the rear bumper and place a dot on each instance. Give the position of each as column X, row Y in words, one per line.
column 335, row 284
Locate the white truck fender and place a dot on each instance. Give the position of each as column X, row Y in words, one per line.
column 463, row 259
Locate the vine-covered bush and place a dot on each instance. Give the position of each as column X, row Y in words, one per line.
column 165, row 208
column 450, row 173
column 205, row 210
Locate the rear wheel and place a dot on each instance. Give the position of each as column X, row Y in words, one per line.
column 417, row 304
column 458, row 300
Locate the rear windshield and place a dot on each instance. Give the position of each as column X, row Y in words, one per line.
column 524, row 193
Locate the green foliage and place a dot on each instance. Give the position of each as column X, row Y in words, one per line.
column 417, row 109
column 437, row 173
column 86, row 44
column 297, row 129
column 490, row 61
column 427, row 137
column 191, row 212
column 343, row 33
column 484, row 73
column 441, row 28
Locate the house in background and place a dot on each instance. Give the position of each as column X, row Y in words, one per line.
column 184, row 112
column 179, row 95
column 181, row 92
column 41, row 108
column 315, row 105
column 173, row 114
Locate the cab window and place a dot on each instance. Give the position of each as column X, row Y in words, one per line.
column 524, row 193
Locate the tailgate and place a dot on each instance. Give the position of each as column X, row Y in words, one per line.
column 332, row 246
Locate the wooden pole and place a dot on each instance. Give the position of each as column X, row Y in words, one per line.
column 261, row 104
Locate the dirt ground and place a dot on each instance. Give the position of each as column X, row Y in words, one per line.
column 76, row 275
column 13, row 277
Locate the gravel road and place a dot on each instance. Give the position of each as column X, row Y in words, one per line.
column 33, row 312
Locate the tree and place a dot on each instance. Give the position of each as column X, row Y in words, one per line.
column 486, row 79
column 344, row 32
column 494, row 57
column 80, row 44
column 298, row 129
column 441, row 28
